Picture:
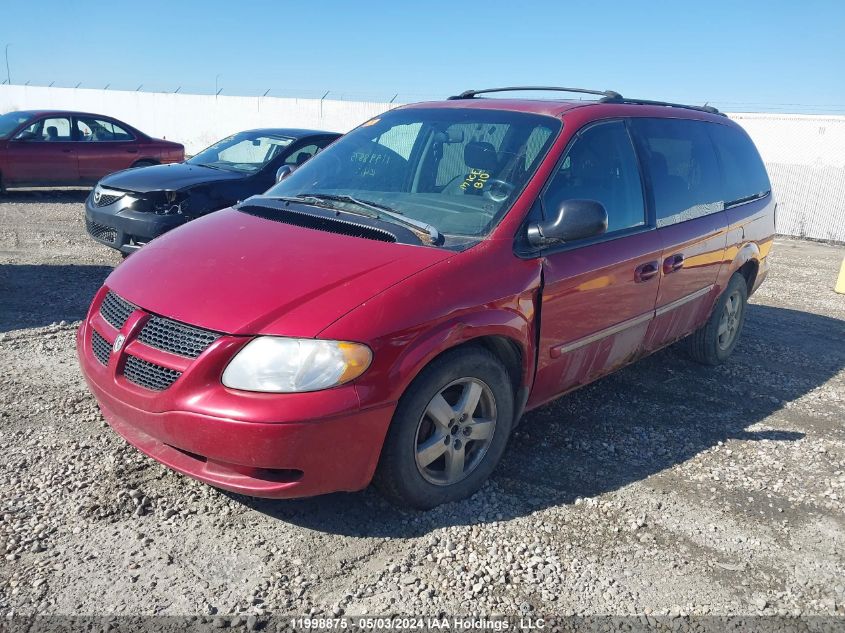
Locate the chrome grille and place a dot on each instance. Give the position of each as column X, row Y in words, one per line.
column 176, row 338
column 100, row 231
column 101, row 347
column 149, row 375
column 115, row 310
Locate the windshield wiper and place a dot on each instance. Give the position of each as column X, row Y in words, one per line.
column 378, row 211
column 314, row 201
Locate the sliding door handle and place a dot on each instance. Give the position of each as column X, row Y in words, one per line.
column 646, row 271
column 673, row 263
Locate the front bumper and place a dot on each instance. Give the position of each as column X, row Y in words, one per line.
column 122, row 228
column 263, row 445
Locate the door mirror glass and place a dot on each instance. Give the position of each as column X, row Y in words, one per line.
column 284, row 171
column 575, row 220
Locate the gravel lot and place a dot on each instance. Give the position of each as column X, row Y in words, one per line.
column 667, row 488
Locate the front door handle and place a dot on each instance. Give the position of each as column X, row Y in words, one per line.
column 673, row 263
column 132, row 151
column 646, row 271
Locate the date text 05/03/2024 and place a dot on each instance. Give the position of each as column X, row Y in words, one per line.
column 418, row 623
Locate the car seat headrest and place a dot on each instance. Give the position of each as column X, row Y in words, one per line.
column 481, row 155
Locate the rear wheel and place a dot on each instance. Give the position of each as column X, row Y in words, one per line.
column 715, row 340
column 449, row 431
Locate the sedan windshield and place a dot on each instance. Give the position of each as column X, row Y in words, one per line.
column 457, row 170
column 246, row 152
column 9, row 122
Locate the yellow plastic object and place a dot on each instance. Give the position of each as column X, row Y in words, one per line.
column 840, row 283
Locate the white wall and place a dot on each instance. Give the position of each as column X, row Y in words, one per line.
column 196, row 121
column 805, row 154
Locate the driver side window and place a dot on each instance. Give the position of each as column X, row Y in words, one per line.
column 601, row 165
column 48, row 130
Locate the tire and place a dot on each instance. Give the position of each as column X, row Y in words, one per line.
column 408, row 477
column 706, row 345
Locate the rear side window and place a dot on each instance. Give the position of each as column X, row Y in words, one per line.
column 601, row 165
column 744, row 173
column 100, row 130
column 683, row 168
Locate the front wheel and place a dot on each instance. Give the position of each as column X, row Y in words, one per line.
column 449, row 431
column 715, row 340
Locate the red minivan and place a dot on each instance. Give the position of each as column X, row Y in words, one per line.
column 389, row 310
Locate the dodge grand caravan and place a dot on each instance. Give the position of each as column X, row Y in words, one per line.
column 390, row 310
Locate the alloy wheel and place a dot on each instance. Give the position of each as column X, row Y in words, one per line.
column 455, row 431
column 730, row 320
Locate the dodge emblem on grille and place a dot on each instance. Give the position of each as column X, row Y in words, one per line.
column 118, row 343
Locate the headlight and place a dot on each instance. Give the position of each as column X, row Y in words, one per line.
column 289, row 365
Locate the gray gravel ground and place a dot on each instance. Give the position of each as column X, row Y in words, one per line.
column 667, row 488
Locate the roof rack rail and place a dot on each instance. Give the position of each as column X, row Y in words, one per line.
column 620, row 99
column 469, row 94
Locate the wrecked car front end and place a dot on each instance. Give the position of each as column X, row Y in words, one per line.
column 127, row 220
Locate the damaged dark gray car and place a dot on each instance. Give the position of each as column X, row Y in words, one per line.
column 129, row 208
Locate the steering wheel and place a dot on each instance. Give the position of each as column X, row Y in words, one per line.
column 497, row 190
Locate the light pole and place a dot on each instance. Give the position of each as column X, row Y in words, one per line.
column 8, row 74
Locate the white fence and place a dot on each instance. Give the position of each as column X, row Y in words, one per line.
column 805, row 154
column 196, row 121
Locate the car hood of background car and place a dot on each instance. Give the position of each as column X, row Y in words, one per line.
column 240, row 274
column 167, row 177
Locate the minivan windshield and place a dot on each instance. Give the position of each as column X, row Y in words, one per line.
column 245, row 152
column 10, row 121
column 455, row 169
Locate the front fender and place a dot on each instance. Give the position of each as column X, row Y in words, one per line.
column 515, row 326
column 483, row 292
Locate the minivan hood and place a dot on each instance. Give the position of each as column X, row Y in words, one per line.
column 171, row 177
column 240, row 274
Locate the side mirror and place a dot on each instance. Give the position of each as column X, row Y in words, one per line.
column 575, row 220
column 26, row 135
column 284, row 171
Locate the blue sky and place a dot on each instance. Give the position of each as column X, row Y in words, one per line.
column 741, row 55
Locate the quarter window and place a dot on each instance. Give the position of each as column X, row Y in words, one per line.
column 683, row 169
column 744, row 173
column 601, row 165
